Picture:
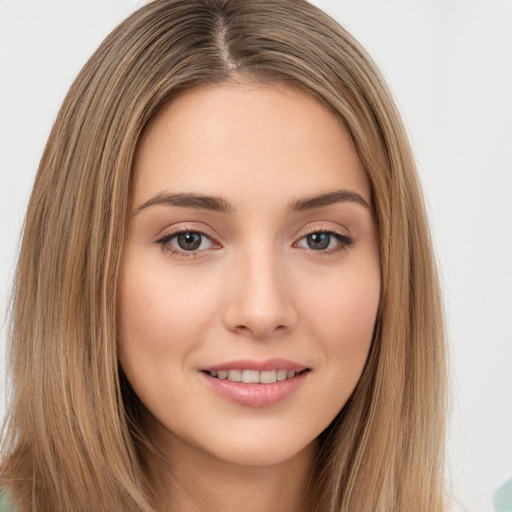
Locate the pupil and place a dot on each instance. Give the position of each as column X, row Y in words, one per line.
column 318, row 241
column 189, row 241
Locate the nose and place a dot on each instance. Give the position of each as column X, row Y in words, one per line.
column 260, row 299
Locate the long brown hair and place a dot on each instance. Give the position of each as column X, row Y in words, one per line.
column 72, row 439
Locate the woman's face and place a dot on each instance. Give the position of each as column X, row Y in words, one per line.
column 251, row 255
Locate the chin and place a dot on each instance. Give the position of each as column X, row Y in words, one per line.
column 262, row 454
column 263, row 445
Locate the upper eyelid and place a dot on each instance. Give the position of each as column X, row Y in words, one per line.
column 170, row 232
column 323, row 228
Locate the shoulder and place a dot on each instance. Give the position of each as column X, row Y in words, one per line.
column 5, row 502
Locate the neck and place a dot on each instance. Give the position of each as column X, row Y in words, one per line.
column 189, row 480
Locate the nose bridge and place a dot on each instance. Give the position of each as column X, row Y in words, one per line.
column 260, row 302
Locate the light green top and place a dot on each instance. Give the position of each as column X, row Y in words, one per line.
column 5, row 503
column 502, row 498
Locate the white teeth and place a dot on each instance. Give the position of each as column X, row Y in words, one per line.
column 282, row 374
column 253, row 376
column 268, row 377
column 235, row 375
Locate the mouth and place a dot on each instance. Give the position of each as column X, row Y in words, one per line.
column 248, row 376
column 256, row 383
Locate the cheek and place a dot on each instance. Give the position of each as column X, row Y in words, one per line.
column 342, row 319
column 161, row 314
column 343, row 312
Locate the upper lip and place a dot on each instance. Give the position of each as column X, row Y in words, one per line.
column 251, row 364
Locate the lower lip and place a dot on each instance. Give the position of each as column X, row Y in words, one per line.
column 256, row 395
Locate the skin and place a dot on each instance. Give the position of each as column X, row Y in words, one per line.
column 254, row 289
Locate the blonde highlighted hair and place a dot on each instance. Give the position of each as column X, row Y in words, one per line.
column 72, row 438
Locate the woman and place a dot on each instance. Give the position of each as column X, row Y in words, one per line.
column 226, row 293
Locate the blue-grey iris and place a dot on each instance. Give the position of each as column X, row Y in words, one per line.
column 189, row 241
column 318, row 241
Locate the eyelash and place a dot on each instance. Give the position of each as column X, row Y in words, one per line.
column 345, row 242
column 163, row 241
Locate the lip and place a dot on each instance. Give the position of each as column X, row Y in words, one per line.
column 260, row 366
column 256, row 395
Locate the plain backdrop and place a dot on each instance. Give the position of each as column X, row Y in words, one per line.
column 449, row 64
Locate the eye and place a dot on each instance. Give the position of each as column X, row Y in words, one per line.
column 186, row 242
column 325, row 241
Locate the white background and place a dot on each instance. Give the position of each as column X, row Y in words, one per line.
column 449, row 64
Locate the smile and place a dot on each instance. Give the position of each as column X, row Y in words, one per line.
column 255, row 383
column 254, row 376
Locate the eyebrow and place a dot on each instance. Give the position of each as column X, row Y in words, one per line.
column 218, row 204
column 187, row 200
column 327, row 199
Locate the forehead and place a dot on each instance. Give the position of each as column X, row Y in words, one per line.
column 241, row 138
